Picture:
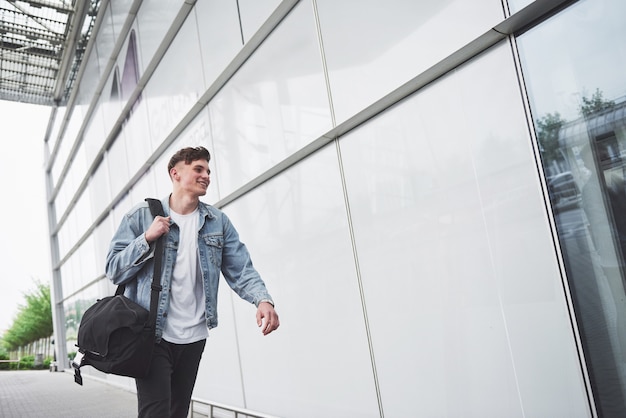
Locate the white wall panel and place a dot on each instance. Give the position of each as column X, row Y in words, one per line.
column 86, row 258
column 219, row 33
column 64, row 196
column 139, row 144
column 66, row 142
column 102, row 239
column 145, row 187
column 63, row 237
column 120, row 210
column 517, row 5
column 111, row 105
column 273, row 106
column 373, row 47
column 447, row 214
column 54, row 133
column 153, row 21
column 297, row 232
column 90, row 79
column 95, row 134
column 81, row 212
column 117, row 161
column 119, row 14
column 219, row 375
column 177, row 83
column 70, row 271
column 253, row 14
column 105, row 38
column 99, row 189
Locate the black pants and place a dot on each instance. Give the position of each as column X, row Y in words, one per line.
column 166, row 391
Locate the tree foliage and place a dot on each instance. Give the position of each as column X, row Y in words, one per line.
column 548, row 128
column 33, row 321
column 549, row 125
column 595, row 104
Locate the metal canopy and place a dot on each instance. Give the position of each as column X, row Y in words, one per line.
column 42, row 44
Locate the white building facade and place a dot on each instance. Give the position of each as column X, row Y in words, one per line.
column 430, row 190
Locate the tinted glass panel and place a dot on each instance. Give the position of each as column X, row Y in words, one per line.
column 574, row 66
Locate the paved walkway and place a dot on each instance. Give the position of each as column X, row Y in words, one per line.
column 41, row 393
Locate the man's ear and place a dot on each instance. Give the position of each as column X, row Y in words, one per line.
column 174, row 174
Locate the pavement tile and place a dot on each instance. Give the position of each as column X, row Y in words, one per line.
column 41, row 393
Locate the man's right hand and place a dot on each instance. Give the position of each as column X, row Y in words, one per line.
column 160, row 226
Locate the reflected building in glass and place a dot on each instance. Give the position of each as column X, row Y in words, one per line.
column 434, row 193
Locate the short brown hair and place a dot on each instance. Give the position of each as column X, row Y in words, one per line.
column 188, row 155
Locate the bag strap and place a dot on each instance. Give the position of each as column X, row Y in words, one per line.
column 156, row 208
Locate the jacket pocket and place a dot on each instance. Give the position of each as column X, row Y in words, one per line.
column 214, row 245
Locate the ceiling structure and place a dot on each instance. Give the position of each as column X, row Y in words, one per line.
column 42, row 43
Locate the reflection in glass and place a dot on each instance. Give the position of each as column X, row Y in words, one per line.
column 578, row 98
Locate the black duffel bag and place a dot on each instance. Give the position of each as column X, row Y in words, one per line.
column 116, row 335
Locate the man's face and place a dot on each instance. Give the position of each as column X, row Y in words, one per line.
column 192, row 178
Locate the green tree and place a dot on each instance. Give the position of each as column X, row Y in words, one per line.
column 595, row 104
column 548, row 128
column 33, row 321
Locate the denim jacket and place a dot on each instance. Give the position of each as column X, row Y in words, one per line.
column 130, row 261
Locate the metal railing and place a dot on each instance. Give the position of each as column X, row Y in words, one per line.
column 210, row 409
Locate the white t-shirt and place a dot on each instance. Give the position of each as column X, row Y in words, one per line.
column 186, row 319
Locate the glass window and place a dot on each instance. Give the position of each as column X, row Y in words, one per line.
column 75, row 307
column 574, row 69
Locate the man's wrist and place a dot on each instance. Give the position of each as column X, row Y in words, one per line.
column 271, row 302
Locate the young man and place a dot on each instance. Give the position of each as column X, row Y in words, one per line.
column 200, row 242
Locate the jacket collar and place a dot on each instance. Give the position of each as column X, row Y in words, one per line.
column 203, row 208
